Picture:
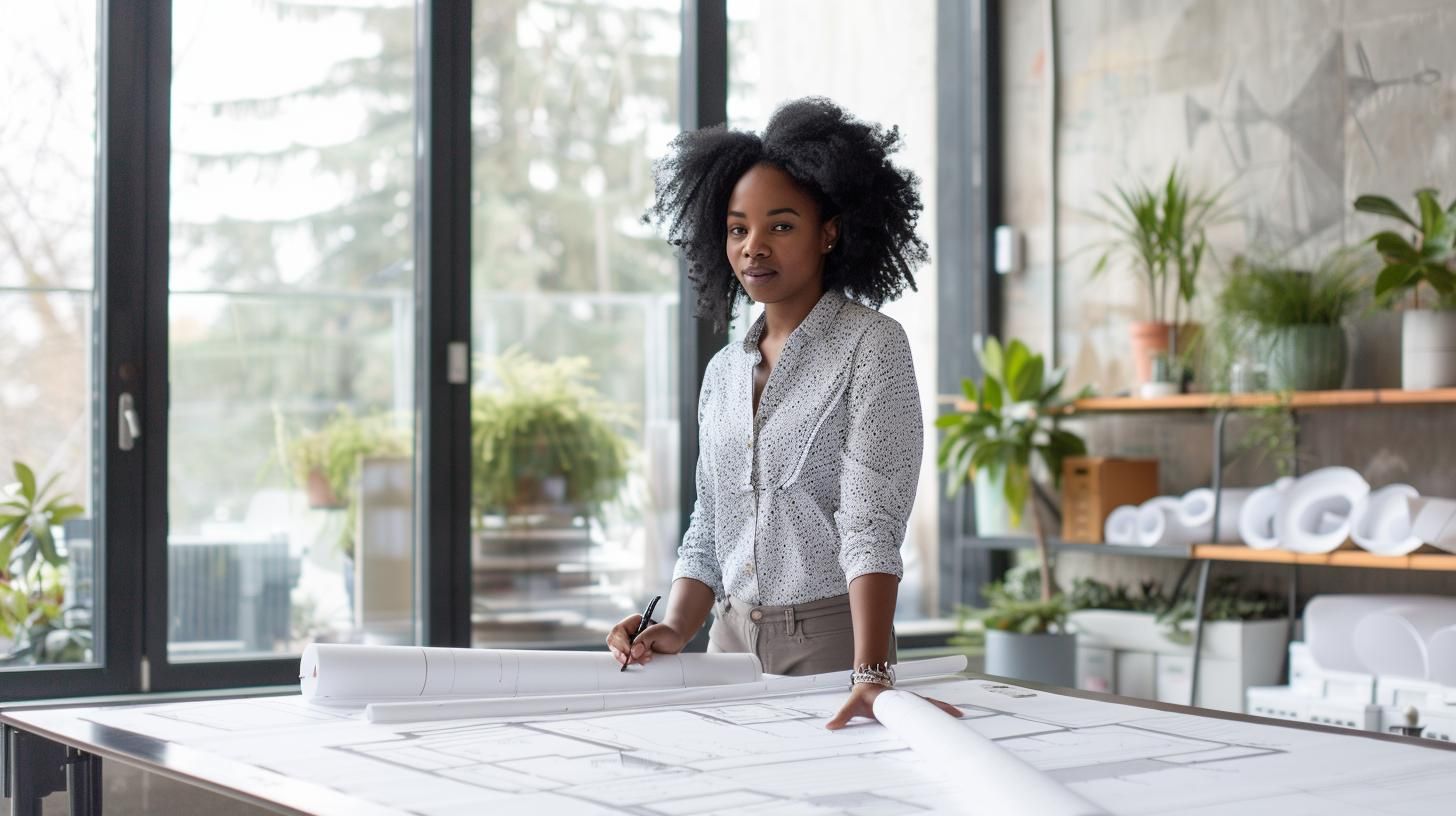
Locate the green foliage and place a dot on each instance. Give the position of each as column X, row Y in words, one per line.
column 1010, row 612
column 335, row 450
column 1225, row 602
column 544, row 421
column 1429, row 259
column 1161, row 234
column 1261, row 297
column 32, row 600
column 1015, row 417
column 1271, row 435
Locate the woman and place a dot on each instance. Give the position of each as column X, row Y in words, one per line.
column 810, row 429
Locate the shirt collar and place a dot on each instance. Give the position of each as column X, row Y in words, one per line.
column 815, row 324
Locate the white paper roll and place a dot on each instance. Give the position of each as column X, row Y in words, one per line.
column 1195, row 510
column 547, row 705
column 1314, row 514
column 984, row 777
column 1395, row 641
column 1121, row 526
column 349, row 675
column 1441, row 657
column 1258, row 514
column 1382, row 522
column 1157, row 523
column 1329, row 627
column 1433, row 521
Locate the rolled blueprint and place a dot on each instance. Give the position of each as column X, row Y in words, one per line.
column 1441, row 657
column 1382, row 522
column 348, row 675
column 1434, row 521
column 984, row 777
column 1257, row 515
column 548, row 705
column 1314, row 514
column 1121, row 526
column 1157, row 523
column 1396, row 641
column 1195, row 511
column 1329, row 627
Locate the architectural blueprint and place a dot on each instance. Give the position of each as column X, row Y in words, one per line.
column 773, row 756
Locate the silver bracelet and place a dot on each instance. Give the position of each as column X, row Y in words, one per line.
column 874, row 674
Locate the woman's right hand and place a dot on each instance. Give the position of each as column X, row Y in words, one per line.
column 659, row 638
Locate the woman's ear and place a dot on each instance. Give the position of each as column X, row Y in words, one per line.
column 830, row 233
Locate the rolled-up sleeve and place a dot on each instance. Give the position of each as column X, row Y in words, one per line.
column 697, row 556
column 883, row 447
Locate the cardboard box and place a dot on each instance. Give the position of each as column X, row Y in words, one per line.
column 1092, row 487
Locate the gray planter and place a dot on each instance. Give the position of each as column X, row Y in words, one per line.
column 1307, row 358
column 1050, row 659
column 1428, row 349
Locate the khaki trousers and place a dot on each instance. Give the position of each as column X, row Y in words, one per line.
column 807, row 638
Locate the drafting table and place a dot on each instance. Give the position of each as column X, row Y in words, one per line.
column 754, row 757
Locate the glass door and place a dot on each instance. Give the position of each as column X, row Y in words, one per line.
column 575, row 314
column 291, row 335
column 51, row 446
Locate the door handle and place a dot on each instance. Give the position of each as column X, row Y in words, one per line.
column 129, row 426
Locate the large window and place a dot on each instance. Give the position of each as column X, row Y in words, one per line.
column 48, row 296
column 783, row 51
column 291, row 326
column 575, row 317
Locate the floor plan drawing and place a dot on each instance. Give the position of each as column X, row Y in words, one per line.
column 774, row 756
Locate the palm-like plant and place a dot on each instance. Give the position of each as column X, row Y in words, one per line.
column 1014, row 418
column 1430, row 259
column 1161, row 233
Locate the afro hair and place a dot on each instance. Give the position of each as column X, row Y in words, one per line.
column 841, row 161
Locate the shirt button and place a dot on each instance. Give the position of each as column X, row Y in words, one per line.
column 756, row 614
column 750, row 567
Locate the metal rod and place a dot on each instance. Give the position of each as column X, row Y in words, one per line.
column 1198, row 603
column 1218, row 425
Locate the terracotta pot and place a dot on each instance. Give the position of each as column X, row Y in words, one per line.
column 321, row 494
column 1149, row 339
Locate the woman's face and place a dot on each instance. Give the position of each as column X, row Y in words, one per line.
column 776, row 240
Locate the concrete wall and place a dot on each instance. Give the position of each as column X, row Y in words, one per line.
column 1297, row 106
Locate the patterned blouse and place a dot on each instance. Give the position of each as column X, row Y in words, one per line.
column 816, row 489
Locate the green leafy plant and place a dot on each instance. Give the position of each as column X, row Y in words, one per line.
column 332, row 453
column 1014, row 417
column 1225, row 601
column 1261, row 297
column 1007, row 612
column 1429, row 259
column 334, row 450
column 544, row 425
column 1161, row 235
column 32, row 600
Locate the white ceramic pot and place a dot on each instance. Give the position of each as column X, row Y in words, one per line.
column 1428, row 349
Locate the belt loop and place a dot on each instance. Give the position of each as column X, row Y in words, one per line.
column 790, row 621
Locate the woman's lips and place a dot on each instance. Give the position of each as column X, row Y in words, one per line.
column 758, row 274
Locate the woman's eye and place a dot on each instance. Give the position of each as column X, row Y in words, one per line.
column 737, row 231
column 783, row 227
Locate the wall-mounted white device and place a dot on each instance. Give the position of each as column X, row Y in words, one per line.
column 1008, row 244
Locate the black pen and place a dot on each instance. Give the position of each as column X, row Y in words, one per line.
column 641, row 625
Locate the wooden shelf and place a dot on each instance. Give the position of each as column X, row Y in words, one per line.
column 1426, row 559
column 1361, row 398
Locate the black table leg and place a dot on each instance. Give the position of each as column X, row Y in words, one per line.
column 83, row 782
column 36, row 767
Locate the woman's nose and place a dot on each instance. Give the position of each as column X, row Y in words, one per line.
column 755, row 248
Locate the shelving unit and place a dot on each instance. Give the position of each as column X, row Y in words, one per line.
column 1203, row 556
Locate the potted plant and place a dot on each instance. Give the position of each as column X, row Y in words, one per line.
column 1428, row 335
column 33, row 611
column 1292, row 319
column 326, row 461
column 1012, row 419
column 1160, row 234
column 545, row 442
column 1148, row 637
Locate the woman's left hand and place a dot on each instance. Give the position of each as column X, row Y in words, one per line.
column 861, row 703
